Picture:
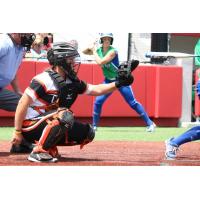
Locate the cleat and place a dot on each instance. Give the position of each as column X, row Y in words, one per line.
column 170, row 152
column 41, row 157
column 54, row 152
column 151, row 128
column 95, row 128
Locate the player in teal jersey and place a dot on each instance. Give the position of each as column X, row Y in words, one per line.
column 107, row 57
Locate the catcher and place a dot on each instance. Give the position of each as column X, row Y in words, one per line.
column 106, row 57
column 43, row 115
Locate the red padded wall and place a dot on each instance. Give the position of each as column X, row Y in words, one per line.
column 157, row 88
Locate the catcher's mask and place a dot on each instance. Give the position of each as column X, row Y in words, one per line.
column 27, row 40
column 64, row 55
column 102, row 35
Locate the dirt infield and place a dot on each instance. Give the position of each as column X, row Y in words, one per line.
column 109, row 153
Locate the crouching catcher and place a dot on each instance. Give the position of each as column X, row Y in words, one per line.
column 43, row 116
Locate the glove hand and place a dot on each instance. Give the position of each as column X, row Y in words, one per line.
column 134, row 64
column 124, row 77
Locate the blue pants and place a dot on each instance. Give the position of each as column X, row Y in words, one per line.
column 127, row 93
column 188, row 136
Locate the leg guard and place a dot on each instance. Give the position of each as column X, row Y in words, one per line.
column 55, row 130
column 90, row 136
column 51, row 135
column 67, row 119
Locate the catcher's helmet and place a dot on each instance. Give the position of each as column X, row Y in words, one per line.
column 102, row 35
column 64, row 55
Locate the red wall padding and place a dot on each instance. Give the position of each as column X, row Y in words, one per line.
column 157, row 88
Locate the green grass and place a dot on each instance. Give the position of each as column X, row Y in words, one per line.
column 119, row 133
column 136, row 133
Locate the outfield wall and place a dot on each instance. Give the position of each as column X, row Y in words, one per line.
column 158, row 88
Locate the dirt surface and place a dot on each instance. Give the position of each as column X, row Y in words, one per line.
column 101, row 153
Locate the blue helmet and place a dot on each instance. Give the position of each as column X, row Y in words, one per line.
column 102, row 35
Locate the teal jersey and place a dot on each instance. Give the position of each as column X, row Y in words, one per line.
column 109, row 69
column 197, row 52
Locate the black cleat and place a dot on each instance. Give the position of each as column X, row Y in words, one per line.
column 41, row 157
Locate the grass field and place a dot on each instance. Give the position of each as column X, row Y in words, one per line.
column 119, row 133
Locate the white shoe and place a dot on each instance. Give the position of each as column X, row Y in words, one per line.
column 151, row 128
column 171, row 150
column 94, row 128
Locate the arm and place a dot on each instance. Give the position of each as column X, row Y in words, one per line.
column 20, row 114
column 97, row 90
column 104, row 60
column 21, row 110
column 15, row 85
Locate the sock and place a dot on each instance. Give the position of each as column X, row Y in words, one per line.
column 188, row 136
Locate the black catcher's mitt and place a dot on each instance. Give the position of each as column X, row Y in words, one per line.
column 134, row 64
column 125, row 77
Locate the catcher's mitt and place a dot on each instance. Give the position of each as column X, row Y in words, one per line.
column 124, row 77
column 88, row 51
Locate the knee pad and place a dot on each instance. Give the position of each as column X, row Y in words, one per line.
column 52, row 134
column 67, row 119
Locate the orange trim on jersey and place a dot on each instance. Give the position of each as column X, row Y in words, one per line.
column 37, row 97
column 35, row 125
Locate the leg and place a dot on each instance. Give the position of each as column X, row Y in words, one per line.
column 172, row 144
column 128, row 95
column 80, row 134
column 8, row 100
column 98, row 108
column 31, row 131
column 51, row 135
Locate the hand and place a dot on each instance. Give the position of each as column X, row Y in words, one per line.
column 134, row 64
column 124, row 77
column 17, row 138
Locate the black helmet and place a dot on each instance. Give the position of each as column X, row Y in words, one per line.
column 61, row 55
column 27, row 40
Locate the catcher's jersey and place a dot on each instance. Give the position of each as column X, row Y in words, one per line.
column 109, row 69
column 44, row 94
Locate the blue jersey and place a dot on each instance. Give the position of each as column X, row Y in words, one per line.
column 11, row 56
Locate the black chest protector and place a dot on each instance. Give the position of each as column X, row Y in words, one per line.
column 68, row 92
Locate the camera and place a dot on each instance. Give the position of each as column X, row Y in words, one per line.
column 27, row 40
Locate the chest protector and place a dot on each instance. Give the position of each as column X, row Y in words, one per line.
column 68, row 92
